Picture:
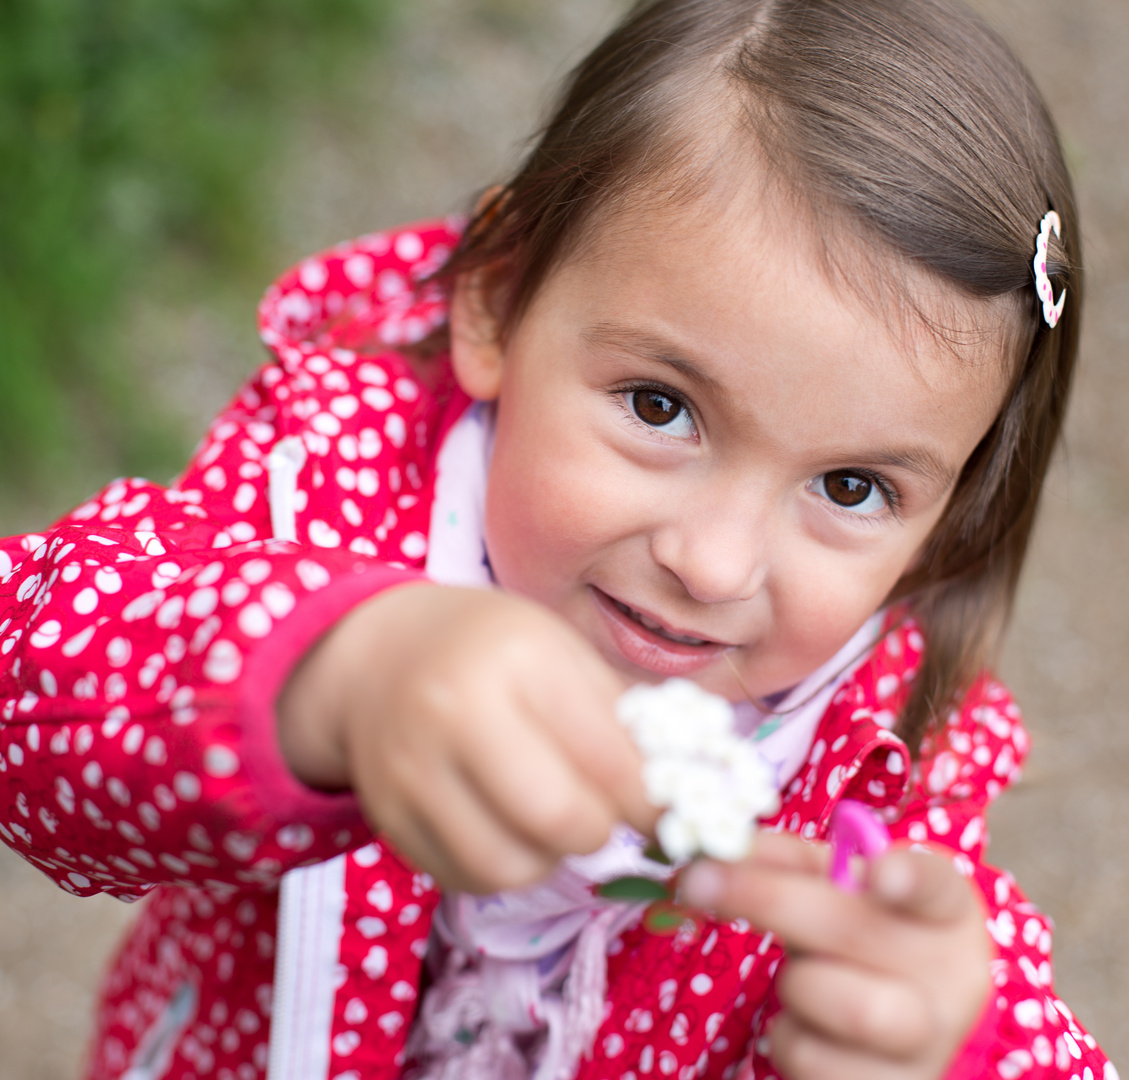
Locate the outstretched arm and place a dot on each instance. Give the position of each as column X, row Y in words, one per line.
column 941, row 968
column 143, row 641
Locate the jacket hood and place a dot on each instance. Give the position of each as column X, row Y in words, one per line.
column 370, row 296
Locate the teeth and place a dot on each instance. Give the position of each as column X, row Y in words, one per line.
column 657, row 628
column 682, row 640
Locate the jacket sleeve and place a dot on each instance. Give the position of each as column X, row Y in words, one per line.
column 1025, row 1030
column 144, row 639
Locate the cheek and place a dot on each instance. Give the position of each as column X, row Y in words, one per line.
column 819, row 617
column 546, row 514
column 824, row 598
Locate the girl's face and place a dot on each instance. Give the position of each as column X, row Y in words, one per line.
column 704, row 447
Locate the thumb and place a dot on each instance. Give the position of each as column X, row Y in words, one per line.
column 920, row 884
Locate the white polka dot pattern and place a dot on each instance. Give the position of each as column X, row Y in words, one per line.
column 129, row 633
column 138, row 643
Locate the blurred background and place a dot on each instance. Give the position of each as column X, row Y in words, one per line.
column 162, row 160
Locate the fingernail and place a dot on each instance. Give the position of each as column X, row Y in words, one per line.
column 702, row 885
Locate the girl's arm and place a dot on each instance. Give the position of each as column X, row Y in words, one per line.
column 143, row 641
column 1025, row 1029
column 477, row 728
column 942, row 968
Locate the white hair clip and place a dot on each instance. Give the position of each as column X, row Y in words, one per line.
column 1052, row 312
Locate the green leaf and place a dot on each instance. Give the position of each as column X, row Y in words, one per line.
column 633, row 888
column 665, row 920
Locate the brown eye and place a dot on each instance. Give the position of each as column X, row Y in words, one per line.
column 655, row 408
column 847, row 488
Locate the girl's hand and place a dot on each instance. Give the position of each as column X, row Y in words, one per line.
column 476, row 728
column 881, row 984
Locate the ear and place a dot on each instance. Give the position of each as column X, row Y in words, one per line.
column 475, row 318
column 476, row 335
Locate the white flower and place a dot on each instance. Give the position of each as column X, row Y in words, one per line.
column 677, row 837
column 713, row 783
column 660, row 778
column 727, row 837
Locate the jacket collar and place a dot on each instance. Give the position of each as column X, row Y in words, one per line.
column 855, row 753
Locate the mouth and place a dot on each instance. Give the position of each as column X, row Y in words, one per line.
column 647, row 642
column 656, row 627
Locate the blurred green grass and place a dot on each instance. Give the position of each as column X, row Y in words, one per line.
column 137, row 141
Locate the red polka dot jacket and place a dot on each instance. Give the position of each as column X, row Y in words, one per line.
column 143, row 641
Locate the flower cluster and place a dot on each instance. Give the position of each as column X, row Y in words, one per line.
column 713, row 782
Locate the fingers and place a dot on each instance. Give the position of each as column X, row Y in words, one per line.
column 455, row 836
column 470, row 785
column 416, row 842
column 711, row 885
column 535, row 791
column 525, row 667
column 922, row 885
column 918, row 883
column 804, row 909
column 801, row 1053
column 785, row 889
column 855, row 1007
column 481, row 735
column 580, row 719
column 786, row 851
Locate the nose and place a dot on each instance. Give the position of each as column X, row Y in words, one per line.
column 716, row 545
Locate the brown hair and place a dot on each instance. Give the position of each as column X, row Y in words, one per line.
column 916, row 126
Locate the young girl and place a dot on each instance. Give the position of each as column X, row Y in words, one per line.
column 750, row 376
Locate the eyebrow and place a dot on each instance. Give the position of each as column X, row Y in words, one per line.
column 924, row 462
column 651, row 347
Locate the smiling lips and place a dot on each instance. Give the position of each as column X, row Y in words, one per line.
column 645, row 642
column 658, row 628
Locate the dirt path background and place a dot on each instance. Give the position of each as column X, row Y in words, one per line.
column 463, row 84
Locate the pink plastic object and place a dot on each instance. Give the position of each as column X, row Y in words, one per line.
column 855, row 830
